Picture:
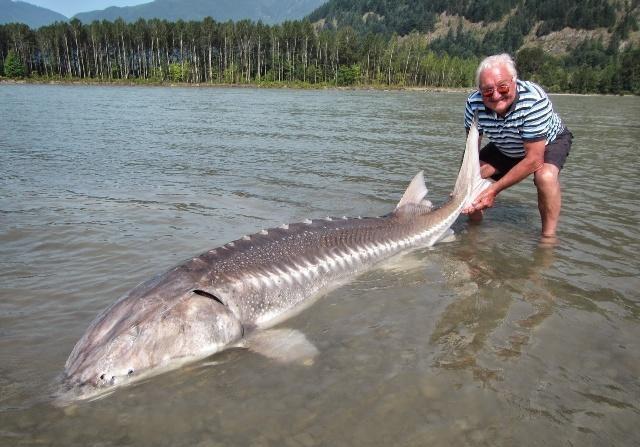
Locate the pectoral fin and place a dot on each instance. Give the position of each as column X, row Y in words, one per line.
column 402, row 262
column 283, row 345
column 448, row 236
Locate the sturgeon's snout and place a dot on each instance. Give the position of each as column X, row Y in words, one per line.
column 105, row 380
column 123, row 344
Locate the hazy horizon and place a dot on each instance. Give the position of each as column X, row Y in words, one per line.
column 70, row 8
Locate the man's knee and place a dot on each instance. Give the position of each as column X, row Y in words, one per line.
column 486, row 170
column 546, row 176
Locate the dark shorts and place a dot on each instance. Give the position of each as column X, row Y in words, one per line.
column 555, row 153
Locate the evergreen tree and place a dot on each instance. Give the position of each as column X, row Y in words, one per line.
column 13, row 66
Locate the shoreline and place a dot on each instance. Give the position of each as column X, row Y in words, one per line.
column 269, row 85
column 266, row 85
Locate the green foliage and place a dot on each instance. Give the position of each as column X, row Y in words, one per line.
column 13, row 66
column 589, row 68
column 370, row 42
column 530, row 61
column 630, row 71
column 404, row 16
column 626, row 24
column 179, row 72
column 156, row 75
column 459, row 43
column 229, row 75
column 348, row 75
column 380, row 16
column 590, row 53
column 487, row 10
column 558, row 14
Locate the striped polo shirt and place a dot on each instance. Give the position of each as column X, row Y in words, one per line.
column 530, row 118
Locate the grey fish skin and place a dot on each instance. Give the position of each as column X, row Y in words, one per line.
column 218, row 298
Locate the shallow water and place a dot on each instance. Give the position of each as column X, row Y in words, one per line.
column 491, row 339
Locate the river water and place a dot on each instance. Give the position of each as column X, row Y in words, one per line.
column 492, row 339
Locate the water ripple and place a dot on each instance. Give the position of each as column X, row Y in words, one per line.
column 459, row 345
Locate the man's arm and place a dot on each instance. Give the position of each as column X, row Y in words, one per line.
column 532, row 161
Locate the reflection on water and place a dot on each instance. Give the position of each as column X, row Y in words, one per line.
column 492, row 339
column 487, row 292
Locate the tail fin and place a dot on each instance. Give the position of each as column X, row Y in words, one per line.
column 469, row 182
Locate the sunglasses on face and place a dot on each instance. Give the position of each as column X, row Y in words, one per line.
column 503, row 89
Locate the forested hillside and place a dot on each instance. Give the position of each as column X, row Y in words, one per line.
column 404, row 16
column 593, row 48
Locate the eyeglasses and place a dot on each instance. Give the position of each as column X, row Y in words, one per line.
column 503, row 89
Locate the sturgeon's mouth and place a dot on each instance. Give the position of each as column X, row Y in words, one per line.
column 70, row 392
column 100, row 383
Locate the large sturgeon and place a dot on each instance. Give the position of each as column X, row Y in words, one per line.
column 227, row 295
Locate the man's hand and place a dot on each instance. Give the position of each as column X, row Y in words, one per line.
column 484, row 200
column 533, row 160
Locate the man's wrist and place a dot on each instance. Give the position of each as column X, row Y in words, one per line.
column 495, row 188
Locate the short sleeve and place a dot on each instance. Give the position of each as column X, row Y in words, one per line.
column 536, row 121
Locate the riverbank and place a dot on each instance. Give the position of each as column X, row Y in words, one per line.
column 269, row 84
column 265, row 85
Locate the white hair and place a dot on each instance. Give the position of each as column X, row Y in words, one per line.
column 497, row 60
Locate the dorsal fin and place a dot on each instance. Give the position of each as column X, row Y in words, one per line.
column 416, row 191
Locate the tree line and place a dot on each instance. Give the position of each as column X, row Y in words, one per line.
column 231, row 52
column 295, row 52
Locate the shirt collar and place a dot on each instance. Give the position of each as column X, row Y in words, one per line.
column 515, row 100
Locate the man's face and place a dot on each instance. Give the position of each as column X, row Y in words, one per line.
column 498, row 89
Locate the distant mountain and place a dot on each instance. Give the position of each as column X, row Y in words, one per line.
column 269, row 11
column 22, row 12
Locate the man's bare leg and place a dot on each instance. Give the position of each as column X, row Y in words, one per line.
column 549, row 197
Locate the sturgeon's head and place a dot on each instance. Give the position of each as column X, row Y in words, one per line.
column 155, row 327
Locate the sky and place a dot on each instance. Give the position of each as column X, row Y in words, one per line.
column 72, row 7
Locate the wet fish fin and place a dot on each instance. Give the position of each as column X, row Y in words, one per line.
column 415, row 192
column 469, row 182
column 479, row 185
column 448, row 236
column 426, row 203
column 283, row 345
column 402, row 262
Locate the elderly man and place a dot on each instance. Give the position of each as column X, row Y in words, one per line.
column 526, row 136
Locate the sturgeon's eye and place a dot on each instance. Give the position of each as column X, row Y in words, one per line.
column 130, row 372
column 101, row 376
